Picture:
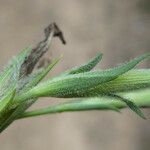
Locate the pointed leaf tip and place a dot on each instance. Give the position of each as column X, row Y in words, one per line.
column 88, row 66
column 135, row 108
column 131, row 105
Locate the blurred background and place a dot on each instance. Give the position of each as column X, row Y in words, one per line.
column 119, row 29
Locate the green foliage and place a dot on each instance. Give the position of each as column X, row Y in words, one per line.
column 88, row 66
column 140, row 98
column 102, row 89
column 5, row 101
column 23, row 85
column 76, row 85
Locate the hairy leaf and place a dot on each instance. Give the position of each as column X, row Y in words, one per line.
column 140, row 98
column 132, row 80
column 27, row 83
column 10, row 74
column 76, row 85
column 130, row 104
column 6, row 100
column 88, row 66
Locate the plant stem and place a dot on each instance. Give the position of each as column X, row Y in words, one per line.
column 140, row 98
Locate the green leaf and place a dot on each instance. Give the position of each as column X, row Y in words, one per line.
column 133, row 80
column 140, row 98
column 10, row 75
column 77, row 85
column 88, row 66
column 5, row 101
column 27, row 83
column 14, row 114
column 135, row 108
column 8, row 83
column 130, row 104
column 17, row 61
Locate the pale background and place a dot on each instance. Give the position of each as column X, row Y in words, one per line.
column 118, row 28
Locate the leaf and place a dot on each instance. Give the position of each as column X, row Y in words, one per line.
column 140, row 98
column 9, row 78
column 77, row 85
column 31, row 81
column 133, row 80
column 17, row 61
column 5, row 101
column 14, row 114
column 88, row 66
column 8, row 82
column 130, row 104
column 135, row 108
column 10, row 75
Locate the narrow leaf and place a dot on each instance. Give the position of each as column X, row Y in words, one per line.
column 133, row 80
column 77, row 85
column 88, row 66
column 140, row 98
column 5, row 101
column 130, row 104
column 10, row 74
column 30, row 82
column 18, row 60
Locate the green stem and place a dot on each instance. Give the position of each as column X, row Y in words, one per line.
column 140, row 98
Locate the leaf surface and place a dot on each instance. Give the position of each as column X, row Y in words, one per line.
column 77, row 85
